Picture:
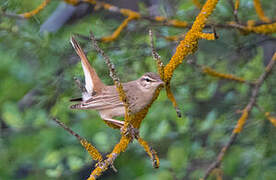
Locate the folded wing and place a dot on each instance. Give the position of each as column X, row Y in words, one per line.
column 100, row 102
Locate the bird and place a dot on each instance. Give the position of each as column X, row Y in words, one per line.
column 105, row 98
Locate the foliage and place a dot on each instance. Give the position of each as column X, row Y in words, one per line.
column 37, row 72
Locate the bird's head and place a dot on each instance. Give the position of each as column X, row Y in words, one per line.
column 150, row 81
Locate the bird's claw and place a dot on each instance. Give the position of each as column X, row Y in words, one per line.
column 131, row 132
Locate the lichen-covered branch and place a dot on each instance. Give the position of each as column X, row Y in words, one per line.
column 160, row 68
column 37, row 10
column 260, row 12
column 212, row 72
column 271, row 118
column 209, row 71
column 242, row 120
column 151, row 152
column 101, row 167
column 117, row 32
column 190, row 42
column 266, row 28
column 94, row 153
column 131, row 15
column 197, row 4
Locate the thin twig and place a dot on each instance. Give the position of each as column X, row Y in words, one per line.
column 209, row 71
column 247, row 110
column 235, row 11
column 112, row 72
column 110, row 65
column 68, row 129
column 94, row 153
column 160, row 67
column 11, row 15
column 156, row 56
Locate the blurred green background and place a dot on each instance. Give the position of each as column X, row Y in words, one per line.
column 36, row 83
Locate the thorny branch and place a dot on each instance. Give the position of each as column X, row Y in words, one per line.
column 243, row 118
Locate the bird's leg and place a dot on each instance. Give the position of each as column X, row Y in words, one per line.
column 117, row 123
column 130, row 131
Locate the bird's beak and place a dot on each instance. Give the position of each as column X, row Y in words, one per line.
column 161, row 83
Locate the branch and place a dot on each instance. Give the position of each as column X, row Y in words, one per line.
column 103, row 166
column 271, row 118
column 209, row 71
column 235, row 6
column 197, row 4
column 260, row 12
column 243, row 118
column 112, row 72
column 160, row 68
column 94, row 153
column 35, row 11
column 190, row 42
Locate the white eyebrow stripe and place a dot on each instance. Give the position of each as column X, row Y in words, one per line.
column 149, row 78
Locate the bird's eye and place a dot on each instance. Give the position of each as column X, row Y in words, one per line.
column 147, row 79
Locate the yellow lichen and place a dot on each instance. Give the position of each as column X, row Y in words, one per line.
column 177, row 23
column 94, row 153
column 151, row 152
column 172, row 38
column 117, row 32
column 37, row 10
column 214, row 73
column 237, row 5
column 262, row 29
column 131, row 16
column 120, row 147
column 241, row 122
column 190, row 42
column 218, row 173
column 270, row 118
column 260, row 12
column 72, row 2
column 160, row 18
column 250, row 23
column 171, row 96
column 130, row 13
column 197, row 4
column 207, row 36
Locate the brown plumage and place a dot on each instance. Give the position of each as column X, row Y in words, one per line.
column 106, row 100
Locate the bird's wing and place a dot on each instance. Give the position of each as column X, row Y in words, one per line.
column 100, row 102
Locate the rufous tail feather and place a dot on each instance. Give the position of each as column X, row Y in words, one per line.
column 92, row 81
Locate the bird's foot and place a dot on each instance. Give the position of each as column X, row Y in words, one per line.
column 130, row 131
